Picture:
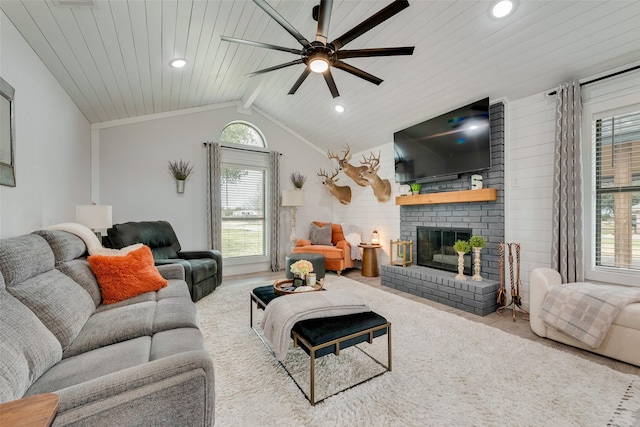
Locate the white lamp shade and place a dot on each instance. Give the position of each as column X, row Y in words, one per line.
column 292, row 198
column 95, row 217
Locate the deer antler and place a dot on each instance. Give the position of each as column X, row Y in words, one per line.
column 323, row 173
column 373, row 161
column 335, row 173
column 346, row 152
column 332, row 156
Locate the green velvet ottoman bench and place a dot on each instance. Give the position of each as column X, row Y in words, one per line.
column 323, row 336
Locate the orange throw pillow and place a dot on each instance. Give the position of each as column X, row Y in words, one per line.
column 122, row 277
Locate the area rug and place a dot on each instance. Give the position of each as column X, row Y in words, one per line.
column 447, row 371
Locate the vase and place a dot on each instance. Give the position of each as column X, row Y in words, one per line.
column 298, row 281
column 460, row 275
column 476, row 265
column 180, row 186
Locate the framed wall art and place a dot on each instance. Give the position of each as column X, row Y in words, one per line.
column 7, row 135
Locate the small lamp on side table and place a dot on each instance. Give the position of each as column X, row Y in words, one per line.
column 292, row 199
column 95, row 217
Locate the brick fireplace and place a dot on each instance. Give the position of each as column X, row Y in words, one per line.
column 485, row 219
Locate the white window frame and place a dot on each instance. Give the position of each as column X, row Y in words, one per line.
column 249, row 157
column 606, row 99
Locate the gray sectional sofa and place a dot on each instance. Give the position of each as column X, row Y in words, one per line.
column 137, row 362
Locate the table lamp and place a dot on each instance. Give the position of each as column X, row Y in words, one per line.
column 95, row 217
column 292, row 199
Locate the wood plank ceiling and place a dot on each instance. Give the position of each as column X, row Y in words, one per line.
column 112, row 57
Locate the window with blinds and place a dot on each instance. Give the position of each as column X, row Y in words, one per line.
column 617, row 191
column 244, row 175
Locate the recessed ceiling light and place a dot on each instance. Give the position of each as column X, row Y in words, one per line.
column 502, row 8
column 339, row 108
column 178, row 63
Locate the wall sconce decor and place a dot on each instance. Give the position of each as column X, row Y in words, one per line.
column 401, row 252
column 180, row 171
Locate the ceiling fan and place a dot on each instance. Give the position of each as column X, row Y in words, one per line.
column 318, row 55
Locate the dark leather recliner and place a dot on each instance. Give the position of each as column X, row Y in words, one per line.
column 202, row 269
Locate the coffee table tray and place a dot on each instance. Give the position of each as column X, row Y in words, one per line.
column 283, row 287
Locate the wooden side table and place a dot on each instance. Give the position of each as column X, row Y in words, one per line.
column 33, row 411
column 369, row 259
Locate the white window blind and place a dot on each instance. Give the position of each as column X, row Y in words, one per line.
column 617, row 191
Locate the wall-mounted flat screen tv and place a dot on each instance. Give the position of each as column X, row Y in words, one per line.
column 446, row 146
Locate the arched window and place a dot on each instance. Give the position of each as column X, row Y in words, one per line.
column 242, row 133
column 244, row 181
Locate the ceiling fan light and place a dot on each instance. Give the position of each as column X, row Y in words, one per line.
column 178, row 63
column 502, row 8
column 318, row 65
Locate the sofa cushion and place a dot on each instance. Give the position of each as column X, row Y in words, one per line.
column 122, row 277
column 27, row 347
column 320, row 235
column 174, row 313
column 112, row 326
column 60, row 303
column 329, row 252
column 23, row 257
column 175, row 341
column 80, row 272
column 93, row 364
column 65, row 246
column 337, row 233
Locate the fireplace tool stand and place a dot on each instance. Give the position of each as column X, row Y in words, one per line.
column 516, row 303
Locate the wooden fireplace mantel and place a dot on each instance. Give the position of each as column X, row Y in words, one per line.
column 482, row 195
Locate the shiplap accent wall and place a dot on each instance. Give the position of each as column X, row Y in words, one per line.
column 529, row 168
column 365, row 210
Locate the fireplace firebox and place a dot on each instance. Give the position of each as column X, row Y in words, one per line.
column 435, row 248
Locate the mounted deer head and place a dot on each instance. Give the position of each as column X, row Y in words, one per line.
column 381, row 187
column 340, row 192
column 351, row 171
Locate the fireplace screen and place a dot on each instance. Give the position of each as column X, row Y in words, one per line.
column 435, row 248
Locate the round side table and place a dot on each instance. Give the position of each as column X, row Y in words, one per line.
column 369, row 259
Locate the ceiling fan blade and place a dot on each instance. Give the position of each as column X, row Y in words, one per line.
column 259, row 44
column 275, row 67
column 298, row 82
column 328, row 77
column 384, row 51
column 357, row 72
column 283, row 23
column 369, row 23
column 324, row 16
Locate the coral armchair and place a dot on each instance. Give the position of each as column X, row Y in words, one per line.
column 337, row 256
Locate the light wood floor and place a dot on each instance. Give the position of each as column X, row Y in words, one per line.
column 504, row 322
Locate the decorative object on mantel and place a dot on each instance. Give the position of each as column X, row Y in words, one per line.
column 402, row 254
column 475, row 182
column 351, row 171
column 381, row 187
column 292, row 199
column 340, row 192
column 515, row 282
column 180, row 171
column 404, row 190
column 298, row 180
column 461, row 247
column 415, row 188
column 476, row 243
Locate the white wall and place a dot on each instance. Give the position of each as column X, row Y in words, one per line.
column 134, row 179
column 528, row 187
column 365, row 210
column 52, row 143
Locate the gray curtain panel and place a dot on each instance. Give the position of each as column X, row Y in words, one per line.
column 214, row 191
column 566, row 240
column 274, row 210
